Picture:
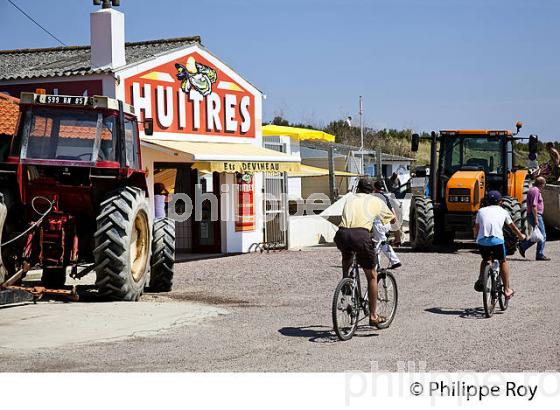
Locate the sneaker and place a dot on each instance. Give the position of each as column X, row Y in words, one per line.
column 395, row 266
column 478, row 286
column 521, row 250
column 543, row 258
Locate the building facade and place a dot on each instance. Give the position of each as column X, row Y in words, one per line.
column 207, row 140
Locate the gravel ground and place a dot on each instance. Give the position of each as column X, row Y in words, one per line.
column 278, row 319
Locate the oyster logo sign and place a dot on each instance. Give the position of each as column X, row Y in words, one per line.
column 197, row 76
column 190, row 95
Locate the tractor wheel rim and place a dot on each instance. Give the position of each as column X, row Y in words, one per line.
column 139, row 247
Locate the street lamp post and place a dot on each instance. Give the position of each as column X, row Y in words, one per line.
column 361, row 112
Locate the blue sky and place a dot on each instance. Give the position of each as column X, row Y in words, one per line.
column 420, row 64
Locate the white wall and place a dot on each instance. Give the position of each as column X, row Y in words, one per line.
column 294, row 184
column 232, row 241
column 293, row 148
column 294, row 188
column 309, row 230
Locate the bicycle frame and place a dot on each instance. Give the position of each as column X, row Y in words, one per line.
column 354, row 274
column 496, row 293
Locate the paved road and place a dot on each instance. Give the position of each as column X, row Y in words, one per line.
column 271, row 312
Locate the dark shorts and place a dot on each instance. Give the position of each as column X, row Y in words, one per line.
column 497, row 252
column 358, row 241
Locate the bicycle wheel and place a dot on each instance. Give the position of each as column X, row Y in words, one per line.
column 387, row 297
column 501, row 294
column 345, row 309
column 489, row 291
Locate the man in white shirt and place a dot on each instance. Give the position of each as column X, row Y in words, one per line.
column 489, row 233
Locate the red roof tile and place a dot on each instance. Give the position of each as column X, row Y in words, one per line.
column 9, row 113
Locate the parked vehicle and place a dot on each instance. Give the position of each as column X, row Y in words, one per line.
column 464, row 166
column 551, row 198
column 75, row 193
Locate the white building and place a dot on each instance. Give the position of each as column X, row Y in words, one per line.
column 207, row 122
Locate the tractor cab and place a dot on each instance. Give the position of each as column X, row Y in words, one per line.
column 470, row 164
column 73, row 150
column 76, row 131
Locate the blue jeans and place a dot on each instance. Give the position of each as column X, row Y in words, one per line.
column 526, row 244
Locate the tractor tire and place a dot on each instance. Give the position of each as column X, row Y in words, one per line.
column 53, row 278
column 511, row 205
column 122, row 245
column 3, row 213
column 163, row 255
column 9, row 228
column 524, row 222
column 421, row 223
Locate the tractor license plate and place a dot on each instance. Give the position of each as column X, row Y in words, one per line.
column 61, row 99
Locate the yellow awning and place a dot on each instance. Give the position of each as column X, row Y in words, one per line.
column 309, row 171
column 225, row 156
column 297, row 133
column 246, row 166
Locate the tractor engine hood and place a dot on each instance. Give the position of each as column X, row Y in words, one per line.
column 464, row 191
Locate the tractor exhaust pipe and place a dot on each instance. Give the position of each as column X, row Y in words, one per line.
column 3, row 213
column 433, row 167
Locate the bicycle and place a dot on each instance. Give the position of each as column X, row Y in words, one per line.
column 493, row 288
column 349, row 300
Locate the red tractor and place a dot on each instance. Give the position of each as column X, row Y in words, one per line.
column 75, row 195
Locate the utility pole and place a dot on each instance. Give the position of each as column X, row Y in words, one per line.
column 379, row 165
column 361, row 112
column 332, row 180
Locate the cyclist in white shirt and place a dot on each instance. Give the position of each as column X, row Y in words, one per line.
column 489, row 233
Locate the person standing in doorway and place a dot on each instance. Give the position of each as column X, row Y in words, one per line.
column 535, row 209
column 160, row 200
column 394, row 183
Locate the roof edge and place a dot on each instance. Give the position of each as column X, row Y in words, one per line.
column 192, row 39
column 9, row 98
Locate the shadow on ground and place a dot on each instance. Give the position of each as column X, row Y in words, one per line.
column 322, row 334
column 436, row 249
column 467, row 313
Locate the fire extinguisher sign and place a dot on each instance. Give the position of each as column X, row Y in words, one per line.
column 245, row 220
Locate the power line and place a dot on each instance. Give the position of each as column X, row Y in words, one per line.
column 36, row 23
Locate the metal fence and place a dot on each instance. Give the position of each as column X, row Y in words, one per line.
column 275, row 204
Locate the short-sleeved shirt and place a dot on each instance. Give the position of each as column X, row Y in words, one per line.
column 159, row 206
column 386, row 198
column 534, row 198
column 360, row 210
column 491, row 220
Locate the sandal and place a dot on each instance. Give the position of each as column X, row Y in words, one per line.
column 510, row 296
column 378, row 321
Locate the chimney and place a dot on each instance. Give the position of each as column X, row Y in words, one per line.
column 107, row 38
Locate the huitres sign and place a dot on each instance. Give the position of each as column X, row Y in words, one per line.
column 190, row 95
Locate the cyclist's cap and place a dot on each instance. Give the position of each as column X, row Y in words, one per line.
column 494, row 197
column 365, row 185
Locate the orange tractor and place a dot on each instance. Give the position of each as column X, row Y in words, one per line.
column 465, row 165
